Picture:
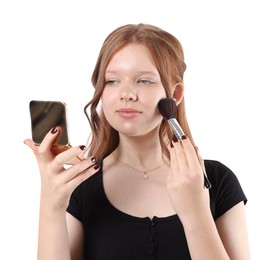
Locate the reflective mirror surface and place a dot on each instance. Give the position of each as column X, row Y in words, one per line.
column 44, row 116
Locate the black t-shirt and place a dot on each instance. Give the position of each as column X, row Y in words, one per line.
column 111, row 234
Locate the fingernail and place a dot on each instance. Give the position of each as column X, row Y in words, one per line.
column 54, row 130
column 96, row 167
column 184, row 137
column 175, row 139
column 171, row 144
column 95, row 163
column 82, row 147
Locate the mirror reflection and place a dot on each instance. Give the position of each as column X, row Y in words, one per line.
column 44, row 116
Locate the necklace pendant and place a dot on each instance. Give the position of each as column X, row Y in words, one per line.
column 145, row 175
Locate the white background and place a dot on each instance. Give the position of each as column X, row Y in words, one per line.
column 48, row 51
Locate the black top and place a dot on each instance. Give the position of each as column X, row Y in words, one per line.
column 111, row 234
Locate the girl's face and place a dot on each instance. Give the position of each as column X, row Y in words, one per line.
column 132, row 91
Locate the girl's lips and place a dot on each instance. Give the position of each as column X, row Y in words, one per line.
column 128, row 113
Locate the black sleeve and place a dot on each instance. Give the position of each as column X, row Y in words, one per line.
column 226, row 191
column 87, row 193
column 75, row 207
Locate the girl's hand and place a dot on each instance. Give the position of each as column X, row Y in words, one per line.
column 58, row 183
column 185, row 183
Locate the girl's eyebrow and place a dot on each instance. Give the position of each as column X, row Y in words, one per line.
column 139, row 72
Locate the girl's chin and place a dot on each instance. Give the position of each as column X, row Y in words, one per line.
column 137, row 132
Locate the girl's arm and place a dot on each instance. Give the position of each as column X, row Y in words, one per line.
column 232, row 229
column 55, row 242
column 226, row 239
column 76, row 237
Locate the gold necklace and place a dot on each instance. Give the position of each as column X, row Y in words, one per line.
column 145, row 173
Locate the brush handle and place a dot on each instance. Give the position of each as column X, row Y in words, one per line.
column 207, row 183
column 177, row 130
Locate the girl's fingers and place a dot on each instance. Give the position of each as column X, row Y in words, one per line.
column 180, row 157
column 48, row 149
column 173, row 161
column 47, row 144
column 44, row 149
column 78, row 173
column 30, row 143
column 77, row 159
column 188, row 163
column 189, row 152
column 70, row 155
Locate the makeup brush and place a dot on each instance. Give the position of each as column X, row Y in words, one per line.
column 168, row 109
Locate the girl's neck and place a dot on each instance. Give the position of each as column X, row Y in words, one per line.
column 140, row 151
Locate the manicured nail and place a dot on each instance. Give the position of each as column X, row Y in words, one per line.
column 171, row 144
column 175, row 139
column 96, row 167
column 82, row 147
column 54, row 130
column 95, row 163
column 184, row 137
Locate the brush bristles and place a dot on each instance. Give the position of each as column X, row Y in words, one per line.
column 167, row 107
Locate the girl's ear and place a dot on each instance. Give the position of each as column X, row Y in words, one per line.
column 178, row 93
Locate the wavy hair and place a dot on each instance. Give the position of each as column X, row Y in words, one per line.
column 168, row 56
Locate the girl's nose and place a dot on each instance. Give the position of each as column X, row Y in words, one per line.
column 128, row 93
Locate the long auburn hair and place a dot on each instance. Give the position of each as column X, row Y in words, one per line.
column 168, row 56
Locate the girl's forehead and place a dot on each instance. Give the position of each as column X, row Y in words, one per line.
column 132, row 56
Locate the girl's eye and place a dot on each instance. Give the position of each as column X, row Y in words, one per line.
column 145, row 82
column 111, row 82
